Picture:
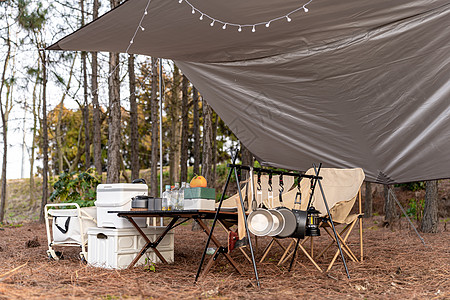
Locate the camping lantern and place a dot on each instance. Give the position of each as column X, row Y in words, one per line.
column 312, row 225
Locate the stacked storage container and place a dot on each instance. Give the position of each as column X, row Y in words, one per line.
column 116, row 248
column 199, row 198
column 115, row 242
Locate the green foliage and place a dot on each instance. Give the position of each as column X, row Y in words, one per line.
column 412, row 186
column 149, row 265
column 34, row 20
column 415, row 208
column 80, row 188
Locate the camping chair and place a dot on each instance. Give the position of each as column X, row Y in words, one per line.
column 68, row 226
column 255, row 191
column 341, row 188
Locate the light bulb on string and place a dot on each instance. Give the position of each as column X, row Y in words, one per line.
column 142, row 28
column 224, row 24
column 131, row 42
column 145, row 12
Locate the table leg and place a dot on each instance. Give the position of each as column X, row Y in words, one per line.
column 217, row 243
column 149, row 243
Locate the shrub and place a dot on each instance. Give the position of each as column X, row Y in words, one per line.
column 73, row 187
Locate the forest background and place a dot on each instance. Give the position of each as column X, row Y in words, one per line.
column 83, row 118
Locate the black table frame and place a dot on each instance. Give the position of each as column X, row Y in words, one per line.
column 196, row 215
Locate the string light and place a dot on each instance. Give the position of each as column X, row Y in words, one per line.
column 240, row 27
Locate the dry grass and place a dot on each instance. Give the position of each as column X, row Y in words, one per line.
column 396, row 265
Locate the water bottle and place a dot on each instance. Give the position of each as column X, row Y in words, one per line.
column 174, row 196
column 181, row 196
column 165, row 198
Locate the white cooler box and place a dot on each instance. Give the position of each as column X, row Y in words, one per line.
column 116, row 248
column 117, row 196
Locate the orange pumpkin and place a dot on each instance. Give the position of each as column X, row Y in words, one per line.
column 198, row 181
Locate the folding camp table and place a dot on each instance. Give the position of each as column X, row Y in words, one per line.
column 185, row 215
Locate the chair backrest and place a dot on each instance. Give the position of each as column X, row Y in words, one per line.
column 288, row 182
column 341, row 187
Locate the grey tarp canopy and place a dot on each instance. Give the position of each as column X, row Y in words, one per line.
column 351, row 83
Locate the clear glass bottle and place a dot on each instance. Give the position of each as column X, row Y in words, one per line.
column 174, row 196
column 181, row 196
column 165, row 198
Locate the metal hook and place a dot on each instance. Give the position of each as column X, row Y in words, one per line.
column 259, row 182
column 270, row 182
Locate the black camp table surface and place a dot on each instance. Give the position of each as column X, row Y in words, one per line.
column 203, row 214
column 175, row 215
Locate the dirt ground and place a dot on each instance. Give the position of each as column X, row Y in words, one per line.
column 396, row 265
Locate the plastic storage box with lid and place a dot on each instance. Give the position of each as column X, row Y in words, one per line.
column 117, row 196
column 116, row 248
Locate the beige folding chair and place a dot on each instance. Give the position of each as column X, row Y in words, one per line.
column 341, row 188
column 264, row 197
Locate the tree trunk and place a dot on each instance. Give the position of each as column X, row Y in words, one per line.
column 390, row 209
column 44, row 140
column 96, row 106
column 32, row 201
column 196, row 130
column 114, row 116
column 134, row 134
column 175, row 128
column 368, row 201
column 207, row 141
column 430, row 218
column 5, row 130
column 247, row 159
column 184, row 130
column 59, row 147
column 155, row 130
column 114, row 121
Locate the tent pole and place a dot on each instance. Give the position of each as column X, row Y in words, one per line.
column 233, row 159
column 331, row 221
column 406, row 215
column 160, row 135
column 246, row 227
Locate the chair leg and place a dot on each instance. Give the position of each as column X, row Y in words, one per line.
column 351, row 254
column 361, row 238
column 245, row 254
column 286, row 252
column 280, row 244
column 288, row 255
column 266, row 251
column 332, row 242
column 309, row 257
column 345, row 247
